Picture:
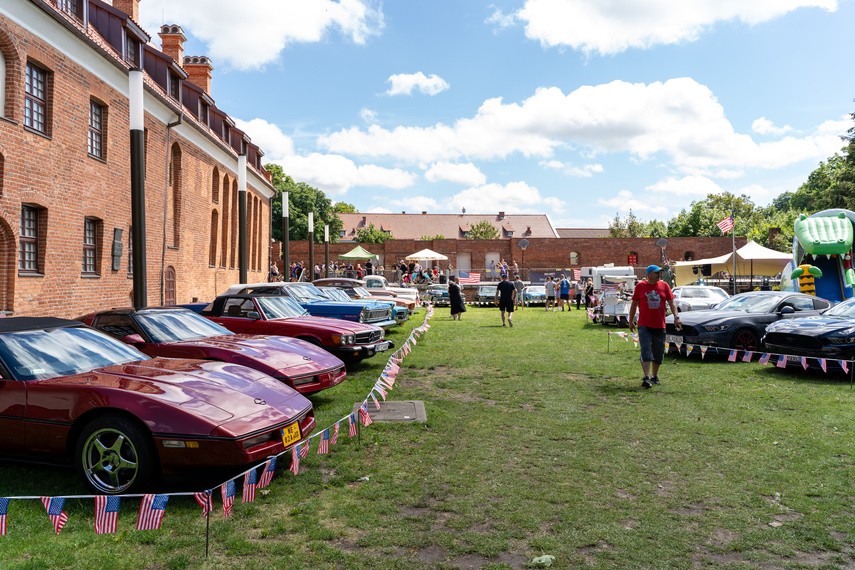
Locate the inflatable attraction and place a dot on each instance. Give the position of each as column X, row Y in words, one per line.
column 822, row 255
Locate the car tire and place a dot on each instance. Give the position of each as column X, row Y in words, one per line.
column 115, row 454
column 745, row 339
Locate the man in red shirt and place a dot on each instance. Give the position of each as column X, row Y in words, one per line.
column 649, row 300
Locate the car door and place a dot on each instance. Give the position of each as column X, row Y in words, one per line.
column 13, row 410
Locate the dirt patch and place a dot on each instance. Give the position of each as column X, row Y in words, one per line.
column 791, row 516
column 722, row 537
column 432, row 554
column 625, row 495
column 663, row 488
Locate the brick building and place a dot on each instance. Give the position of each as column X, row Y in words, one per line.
column 65, row 200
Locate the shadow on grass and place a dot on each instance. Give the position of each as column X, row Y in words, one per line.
column 834, row 377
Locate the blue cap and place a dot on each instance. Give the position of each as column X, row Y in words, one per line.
column 653, row 268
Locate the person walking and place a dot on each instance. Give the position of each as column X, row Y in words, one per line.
column 550, row 294
column 506, row 294
column 518, row 285
column 455, row 299
column 590, row 300
column 580, row 292
column 649, row 300
column 564, row 286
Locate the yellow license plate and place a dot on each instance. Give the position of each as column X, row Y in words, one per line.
column 291, row 434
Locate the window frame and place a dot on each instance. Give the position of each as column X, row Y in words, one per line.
column 91, row 260
column 96, row 139
column 36, row 98
column 29, row 242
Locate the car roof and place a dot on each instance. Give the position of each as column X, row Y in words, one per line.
column 22, row 324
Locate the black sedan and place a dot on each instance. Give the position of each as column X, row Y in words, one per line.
column 740, row 321
column 830, row 336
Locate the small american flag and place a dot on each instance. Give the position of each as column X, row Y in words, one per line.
column 747, row 357
column 844, row 365
column 782, row 361
column 352, row 426
column 823, row 364
column 376, row 403
column 250, row 483
column 267, row 475
column 726, row 224
column 363, row 415
column 304, row 448
column 295, row 459
column 53, row 505
column 151, row 512
column 764, row 359
column 205, row 500
column 469, row 277
column 804, row 362
column 4, row 506
column 732, row 356
column 334, row 438
column 324, row 446
column 106, row 512
column 228, row 492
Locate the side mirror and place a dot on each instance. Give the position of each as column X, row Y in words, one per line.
column 787, row 310
column 133, row 339
column 253, row 315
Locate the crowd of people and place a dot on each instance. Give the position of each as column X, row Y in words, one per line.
column 299, row 271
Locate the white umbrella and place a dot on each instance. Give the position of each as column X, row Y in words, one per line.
column 426, row 255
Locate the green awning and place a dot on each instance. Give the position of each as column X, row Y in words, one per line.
column 358, row 252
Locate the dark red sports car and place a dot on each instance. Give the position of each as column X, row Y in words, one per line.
column 69, row 392
column 181, row 333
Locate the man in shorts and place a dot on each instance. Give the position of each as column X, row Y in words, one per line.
column 564, row 287
column 506, row 294
column 550, row 294
column 518, row 285
column 649, row 300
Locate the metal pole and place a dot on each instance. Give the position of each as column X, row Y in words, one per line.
column 242, row 217
column 138, row 233
column 286, row 257
column 311, row 276
column 326, row 250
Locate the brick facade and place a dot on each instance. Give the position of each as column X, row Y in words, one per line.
column 55, row 173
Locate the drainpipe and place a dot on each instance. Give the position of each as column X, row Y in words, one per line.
column 137, row 132
column 242, row 262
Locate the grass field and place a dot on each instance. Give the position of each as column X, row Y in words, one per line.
column 539, row 442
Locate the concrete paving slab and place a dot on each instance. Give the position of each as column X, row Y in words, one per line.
column 395, row 411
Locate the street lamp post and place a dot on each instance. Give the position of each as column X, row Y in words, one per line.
column 326, row 250
column 286, row 257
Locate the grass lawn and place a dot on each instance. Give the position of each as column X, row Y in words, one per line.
column 539, row 441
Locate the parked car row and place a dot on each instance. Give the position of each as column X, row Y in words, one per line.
column 129, row 395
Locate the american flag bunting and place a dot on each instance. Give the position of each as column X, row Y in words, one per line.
column 106, row 513
column 804, row 362
column 295, row 459
column 732, row 356
column 844, row 365
column 4, row 506
column 577, row 274
column 823, row 365
column 748, row 355
column 205, row 501
column 228, row 490
column 363, row 415
column 250, row 484
column 764, row 358
column 324, row 446
column 703, row 352
column 151, row 512
column 267, row 475
column 782, row 361
column 304, row 448
column 53, row 506
column 376, row 403
column 351, row 427
column 334, row 437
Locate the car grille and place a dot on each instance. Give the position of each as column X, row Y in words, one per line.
column 686, row 331
column 376, row 315
column 793, row 340
column 369, row 337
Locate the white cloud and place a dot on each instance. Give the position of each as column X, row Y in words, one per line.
column 513, row 198
column 264, row 28
column 373, row 175
column 500, row 20
column 679, row 118
column 368, row 115
column 764, row 126
column 585, row 171
column 625, row 201
column 268, row 137
column 696, row 186
column 336, row 174
column 618, row 25
column 464, row 174
column 405, row 83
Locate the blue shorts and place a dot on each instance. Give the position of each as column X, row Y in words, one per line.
column 652, row 344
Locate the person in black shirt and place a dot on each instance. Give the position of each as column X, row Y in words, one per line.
column 506, row 294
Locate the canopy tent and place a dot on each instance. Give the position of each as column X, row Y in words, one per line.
column 426, row 255
column 358, row 253
column 751, row 259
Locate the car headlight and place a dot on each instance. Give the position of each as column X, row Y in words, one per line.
column 343, row 339
column 716, row 328
column 842, row 340
column 362, row 315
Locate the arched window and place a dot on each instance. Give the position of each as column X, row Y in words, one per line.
column 2, row 172
column 169, row 286
column 212, row 252
column 224, row 244
column 2, row 85
column 175, row 179
column 215, row 185
column 574, row 258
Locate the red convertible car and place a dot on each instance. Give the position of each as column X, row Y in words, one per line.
column 277, row 315
column 69, row 392
column 181, row 333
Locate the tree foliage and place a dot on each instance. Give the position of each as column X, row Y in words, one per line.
column 302, row 199
column 371, row 235
column 344, row 208
column 431, row 238
column 483, row 230
column 628, row 227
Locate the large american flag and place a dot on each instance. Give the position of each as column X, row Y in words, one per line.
column 151, row 512
column 4, row 506
column 267, row 475
column 53, row 505
column 106, row 512
column 577, row 274
column 469, row 277
column 228, row 491
column 250, row 482
column 726, row 224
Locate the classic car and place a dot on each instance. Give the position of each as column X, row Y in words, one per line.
column 740, row 321
column 355, row 289
column 378, row 283
column 400, row 314
column 308, row 297
column 698, row 297
column 181, row 333
column 534, row 295
column 830, row 335
column 73, row 394
column 486, row 295
column 437, row 295
column 277, row 315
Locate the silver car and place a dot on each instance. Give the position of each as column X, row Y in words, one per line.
column 698, row 297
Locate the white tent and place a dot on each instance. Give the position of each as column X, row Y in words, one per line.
column 751, row 259
column 684, row 271
column 426, row 255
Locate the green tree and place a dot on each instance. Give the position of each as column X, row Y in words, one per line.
column 628, row 227
column 703, row 215
column 431, row 238
column 344, row 208
column 371, row 235
column 483, row 230
column 302, row 199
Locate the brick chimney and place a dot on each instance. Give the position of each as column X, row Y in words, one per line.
column 172, row 42
column 199, row 70
column 129, row 7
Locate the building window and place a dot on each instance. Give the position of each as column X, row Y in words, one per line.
column 215, row 226
column 35, row 99
column 510, row 233
column 132, row 50
column 71, row 7
column 632, row 258
column 91, row 227
column 97, row 129
column 28, row 255
column 215, row 186
column 342, row 233
column 174, row 84
column 574, row 258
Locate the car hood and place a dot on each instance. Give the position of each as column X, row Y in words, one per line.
column 707, row 318
column 290, row 355
column 337, row 306
column 324, row 324
column 219, row 391
column 815, row 326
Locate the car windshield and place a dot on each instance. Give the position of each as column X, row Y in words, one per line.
column 694, row 294
column 844, row 309
column 335, row 294
column 306, row 293
column 749, row 303
column 41, row 354
column 362, row 291
column 280, row 307
column 178, row 325
column 487, row 291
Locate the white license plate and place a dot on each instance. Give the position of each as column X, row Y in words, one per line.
column 382, row 347
column 792, row 359
column 673, row 338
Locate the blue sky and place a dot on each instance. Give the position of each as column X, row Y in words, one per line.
column 580, row 109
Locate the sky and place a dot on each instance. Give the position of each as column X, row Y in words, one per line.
column 579, row 109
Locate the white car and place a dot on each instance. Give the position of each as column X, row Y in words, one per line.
column 698, row 297
column 375, row 283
